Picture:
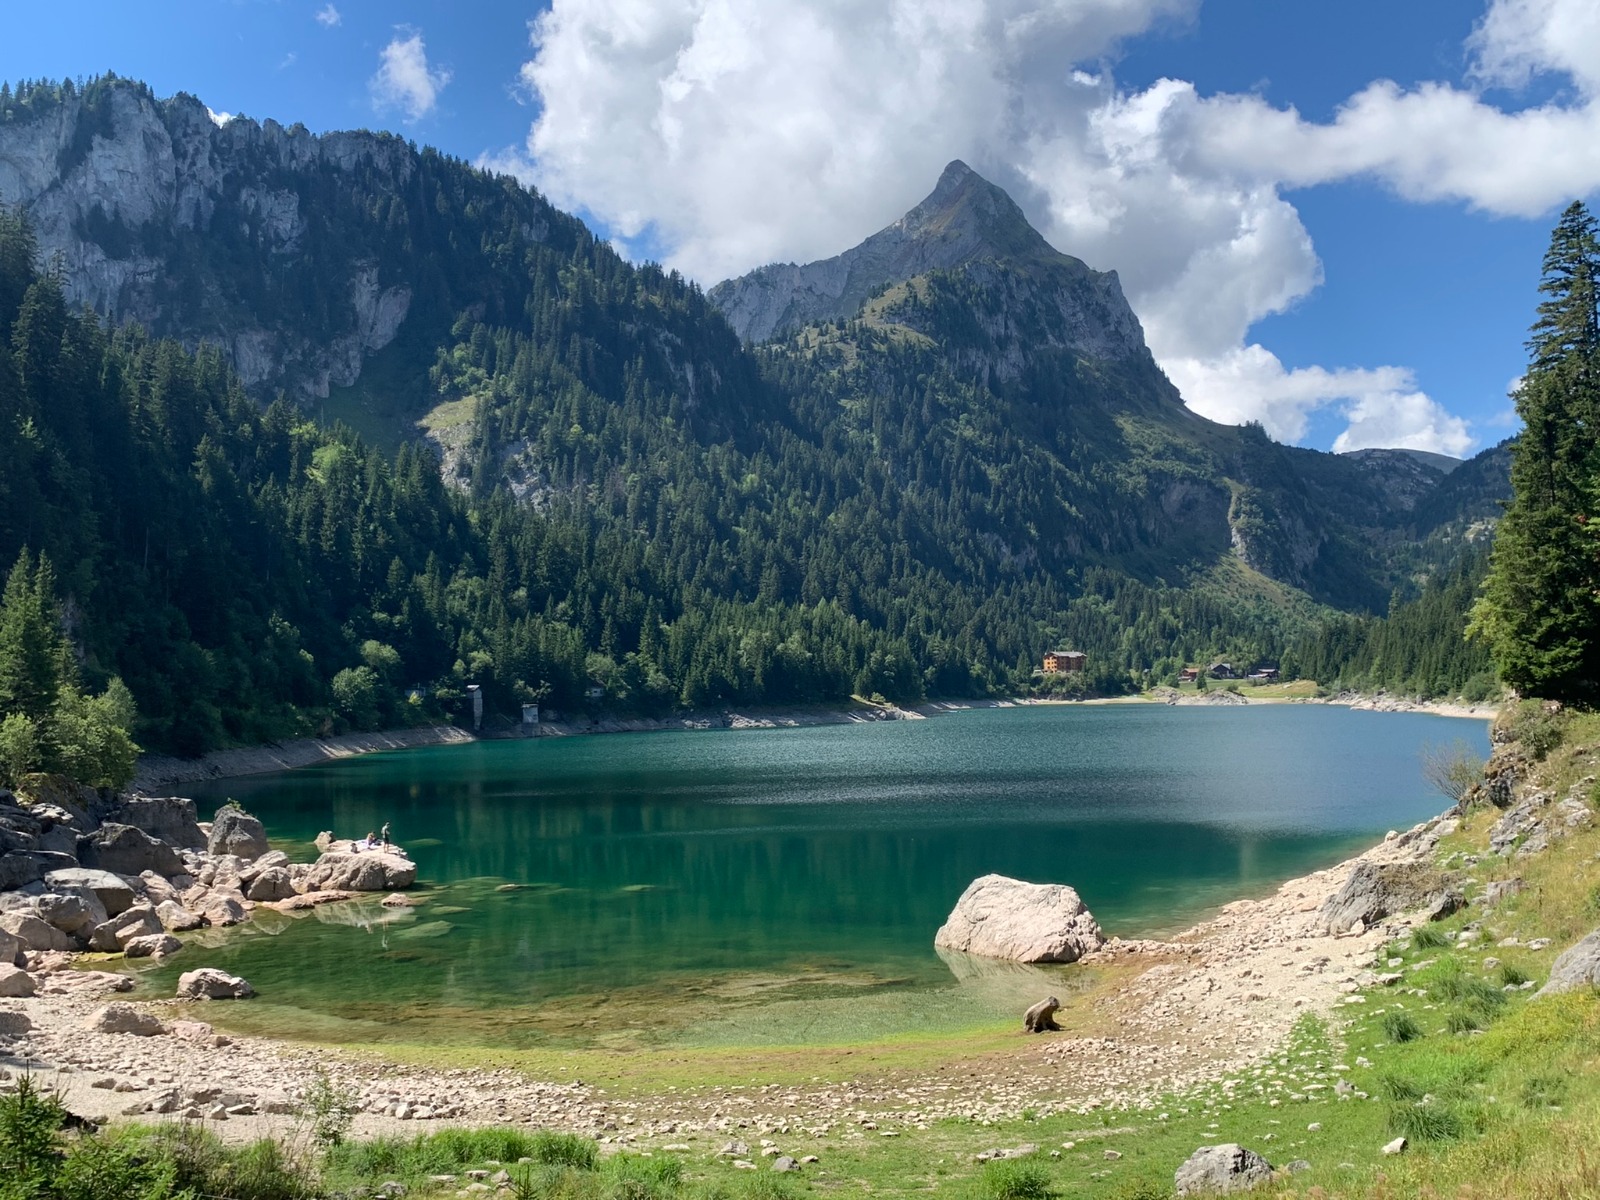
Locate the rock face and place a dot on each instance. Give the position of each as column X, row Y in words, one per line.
column 236, row 832
column 127, row 851
column 368, row 871
column 1378, row 890
column 1026, row 922
column 1220, row 1170
column 1576, row 967
column 114, row 180
column 111, row 890
column 208, row 983
column 965, row 221
column 172, row 819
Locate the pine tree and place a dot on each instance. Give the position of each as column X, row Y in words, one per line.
column 1540, row 609
column 32, row 650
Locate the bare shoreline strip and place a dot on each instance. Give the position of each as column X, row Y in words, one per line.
column 158, row 773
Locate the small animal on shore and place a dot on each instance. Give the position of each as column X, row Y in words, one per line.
column 1041, row 1016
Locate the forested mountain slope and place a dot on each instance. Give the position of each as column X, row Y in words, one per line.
column 917, row 496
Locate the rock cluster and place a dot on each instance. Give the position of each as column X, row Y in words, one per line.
column 82, row 869
column 1001, row 917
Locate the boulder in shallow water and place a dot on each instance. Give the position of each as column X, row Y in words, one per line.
column 236, row 832
column 208, row 983
column 152, row 945
column 272, row 884
column 366, row 871
column 115, row 934
column 175, row 918
column 1219, row 1170
column 1026, row 922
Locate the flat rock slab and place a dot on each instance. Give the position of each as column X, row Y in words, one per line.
column 1001, row 917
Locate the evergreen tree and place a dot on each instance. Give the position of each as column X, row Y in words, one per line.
column 1540, row 609
column 32, row 649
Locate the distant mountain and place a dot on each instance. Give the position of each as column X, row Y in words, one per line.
column 1443, row 463
column 908, row 469
column 966, row 220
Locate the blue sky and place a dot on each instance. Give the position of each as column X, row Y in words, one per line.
column 1350, row 273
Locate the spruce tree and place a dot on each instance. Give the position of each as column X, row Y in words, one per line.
column 32, row 650
column 1540, row 608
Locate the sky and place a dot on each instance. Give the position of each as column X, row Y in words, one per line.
column 1329, row 218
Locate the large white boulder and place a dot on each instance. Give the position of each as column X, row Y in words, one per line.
column 1221, row 1170
column 1027, row 922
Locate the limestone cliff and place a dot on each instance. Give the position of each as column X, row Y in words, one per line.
column 157, row 213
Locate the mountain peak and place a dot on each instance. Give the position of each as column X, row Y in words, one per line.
column 966, row 220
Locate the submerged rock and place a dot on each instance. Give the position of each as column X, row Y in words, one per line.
column 208, row 983
column 1027, row 922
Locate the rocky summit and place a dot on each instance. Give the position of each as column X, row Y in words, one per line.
column 966, row 223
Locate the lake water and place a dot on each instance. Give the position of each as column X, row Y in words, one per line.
column 754, row 886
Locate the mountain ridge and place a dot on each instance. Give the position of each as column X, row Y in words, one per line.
column 964, row 221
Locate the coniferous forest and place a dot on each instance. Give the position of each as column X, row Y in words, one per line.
column 635, row 513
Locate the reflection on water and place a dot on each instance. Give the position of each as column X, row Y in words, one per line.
column 700, row 885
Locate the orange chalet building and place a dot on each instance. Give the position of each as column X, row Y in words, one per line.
column 1061, row 662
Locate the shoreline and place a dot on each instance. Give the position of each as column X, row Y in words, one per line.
column 1159, row 1017
column 157, row 774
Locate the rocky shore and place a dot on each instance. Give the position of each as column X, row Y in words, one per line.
column 1217, row 995
column 159, row 773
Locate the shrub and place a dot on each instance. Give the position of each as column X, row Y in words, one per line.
column 1538, row 727
column 562, row 1149
column 1399, row 1026
column 1463, row 1020
column 30, row 1151
column 1511, row 976
column 1015, row 1179
column 331, row 1108
column 1452, row 771
column 554, row 1182
column 1427, row 937
column 1451, row 984
column 1428, row 1121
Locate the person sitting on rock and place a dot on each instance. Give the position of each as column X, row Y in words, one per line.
column 372, row 841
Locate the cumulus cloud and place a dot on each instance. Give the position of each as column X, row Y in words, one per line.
column 404, row 80
column 328, row 16
column 721, row 134
column 219, row 119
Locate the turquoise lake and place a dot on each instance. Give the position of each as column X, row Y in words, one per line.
column 726, row 887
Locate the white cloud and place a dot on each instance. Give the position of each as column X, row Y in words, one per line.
column 727, row 133
column 404, row 79
column 219, row 119
column 328, row 16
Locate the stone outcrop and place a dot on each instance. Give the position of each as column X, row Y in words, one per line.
column 1221, row 1170
column 114, row 892
column 137, row 922
column 172, row 819
column 208, row 983
column 236, row 832
column 111, row 185
column 366, row 871
column 1576, row 967
column 124, row 850
column 1378, row 890
column 1027, row 922
column 151, row 945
